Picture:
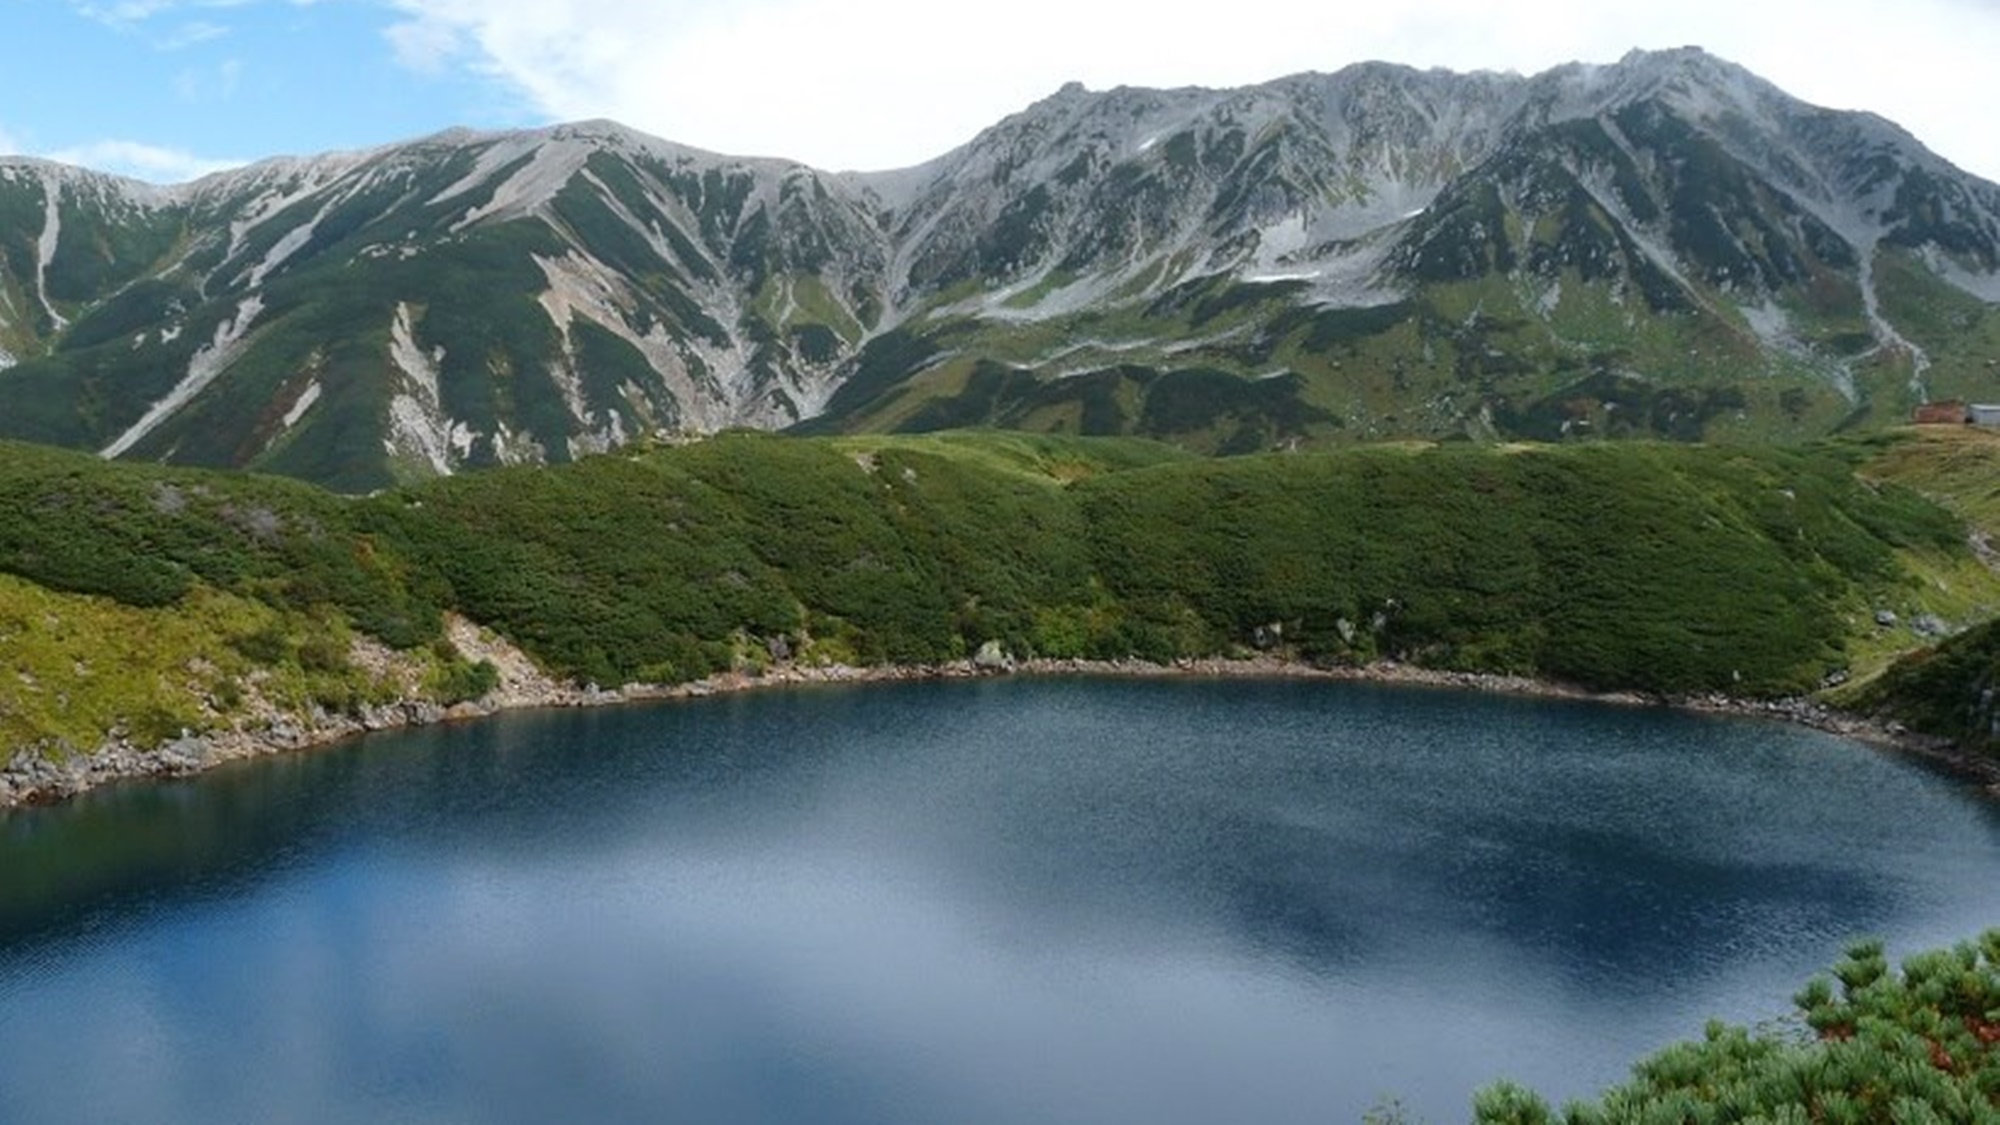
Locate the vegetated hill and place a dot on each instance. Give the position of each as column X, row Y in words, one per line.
column 1946, row 686
column 145, row 600
column 1666, row 246
column 1957, row 466
column 1948, row 690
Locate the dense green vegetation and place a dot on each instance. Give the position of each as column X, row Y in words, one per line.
column 147, row 537
column 1913, row 1047
column 677, row 563
column 1948, row 691
column 1653, row 568
column 1666, row 569
column 145, row 602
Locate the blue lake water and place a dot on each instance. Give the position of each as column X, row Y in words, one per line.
column 1001, row 901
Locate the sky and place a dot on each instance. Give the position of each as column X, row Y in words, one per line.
column 168, row 90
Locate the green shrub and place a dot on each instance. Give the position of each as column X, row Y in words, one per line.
column 1919, row 1045
column 1655, row 568
column 462, row 682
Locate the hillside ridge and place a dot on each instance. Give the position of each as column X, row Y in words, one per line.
column 1665, row 246
column 144, row 606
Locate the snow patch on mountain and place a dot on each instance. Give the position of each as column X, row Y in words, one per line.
column 272, row 187
column 416, row 431
column 648, row 231
column 409, row 358
column 293, row 241
column 45, row 247
column 1352, row 275
column 551, row 164
column 207, row 363
column 1066, row 300
column 305, row 403
column 581, row 287
column 1773, row 328
column 1383, row 199
column 1548, row 300
column 608, row 435
column 1597, row 182
column 569, row 382
column 418, row 427
column 1079, row 357
column 1985, row 286
column 510, row 448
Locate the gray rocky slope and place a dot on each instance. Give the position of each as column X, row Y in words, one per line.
column 1375, row 251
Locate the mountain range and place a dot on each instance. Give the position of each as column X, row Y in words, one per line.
column 1667, row 246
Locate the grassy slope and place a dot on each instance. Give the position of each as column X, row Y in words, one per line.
column 1959, row 466
column 1506, row 356
column 143, row 601
column 78, row 668
column 1648, row 567
column 1947, row 690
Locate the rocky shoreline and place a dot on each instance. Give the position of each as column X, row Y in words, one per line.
column 31, row 778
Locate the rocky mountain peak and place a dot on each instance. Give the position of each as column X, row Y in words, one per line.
column 1665, row 245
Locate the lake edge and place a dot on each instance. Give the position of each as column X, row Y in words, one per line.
column 32, row 779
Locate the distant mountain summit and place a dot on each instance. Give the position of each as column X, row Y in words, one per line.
column 1664, row 246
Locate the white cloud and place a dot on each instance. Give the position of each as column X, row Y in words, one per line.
column 142, row 161
column 122, row 14
column 209, row 83
column 189, row 35
column 128, row 14
column 876, row 83
column 9, row 144
column 426, row 46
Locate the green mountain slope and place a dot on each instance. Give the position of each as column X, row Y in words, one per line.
column 144, row 600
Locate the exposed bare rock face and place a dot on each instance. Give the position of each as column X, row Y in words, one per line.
column 1665, row 246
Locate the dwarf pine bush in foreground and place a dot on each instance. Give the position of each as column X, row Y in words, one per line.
column 1913, row 1047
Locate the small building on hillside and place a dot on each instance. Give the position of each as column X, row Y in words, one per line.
column 1984, row 414
column 1950, row 412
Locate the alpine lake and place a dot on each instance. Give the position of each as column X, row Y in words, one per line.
column 1011, row 900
